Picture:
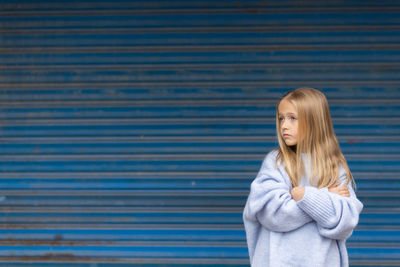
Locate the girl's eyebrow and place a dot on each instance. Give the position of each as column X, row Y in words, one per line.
column 289, row 113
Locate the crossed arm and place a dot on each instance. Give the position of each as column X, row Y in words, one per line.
column 335, row 209
column 298, row 191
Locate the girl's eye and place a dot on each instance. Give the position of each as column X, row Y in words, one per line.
column 293, row 118
column 280, row 119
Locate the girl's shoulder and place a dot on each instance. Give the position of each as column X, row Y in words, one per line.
column 272, row 155
column 272, row 169
column 271, row 159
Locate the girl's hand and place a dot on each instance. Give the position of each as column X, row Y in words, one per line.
column 297, row 193
column 342, row 190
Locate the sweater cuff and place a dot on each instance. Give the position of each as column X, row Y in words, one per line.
column 317, row 203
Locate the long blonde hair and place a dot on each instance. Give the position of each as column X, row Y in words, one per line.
column 316, row 141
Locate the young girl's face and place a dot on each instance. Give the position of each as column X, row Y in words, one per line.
column 287, row 115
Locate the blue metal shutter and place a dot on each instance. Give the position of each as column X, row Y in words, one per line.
column 131, row 131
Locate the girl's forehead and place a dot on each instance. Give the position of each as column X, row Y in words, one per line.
column 286, row 107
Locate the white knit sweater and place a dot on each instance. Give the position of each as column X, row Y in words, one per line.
column 308, row 233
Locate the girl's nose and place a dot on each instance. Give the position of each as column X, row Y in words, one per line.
column 284, row 124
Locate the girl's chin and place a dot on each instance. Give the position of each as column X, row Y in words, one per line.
column 292, row 145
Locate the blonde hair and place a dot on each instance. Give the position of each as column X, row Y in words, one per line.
column 316, row 141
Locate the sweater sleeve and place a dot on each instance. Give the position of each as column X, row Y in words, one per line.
column 270, row 202
column 336, row 216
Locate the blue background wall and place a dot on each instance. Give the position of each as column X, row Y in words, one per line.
column 131, row 130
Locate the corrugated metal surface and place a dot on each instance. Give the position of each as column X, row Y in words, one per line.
column 130, row 131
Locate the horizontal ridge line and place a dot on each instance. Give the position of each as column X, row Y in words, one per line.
column 213, row 10
column 201, row 29
column 197, row 48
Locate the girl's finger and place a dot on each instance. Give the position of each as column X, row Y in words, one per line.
column 335, row 185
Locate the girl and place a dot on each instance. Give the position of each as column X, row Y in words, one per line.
column 302, row 207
